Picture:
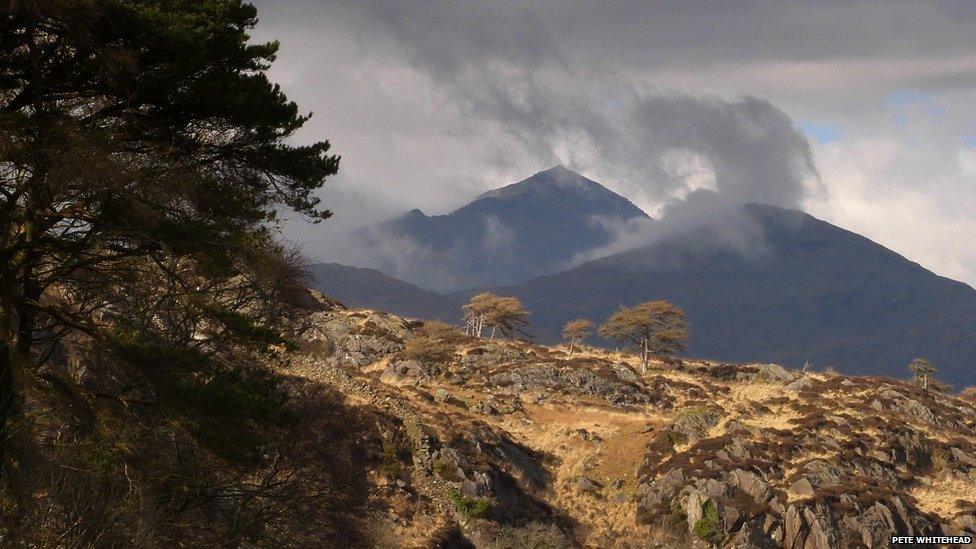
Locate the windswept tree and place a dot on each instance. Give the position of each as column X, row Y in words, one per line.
column 922, row 372
column 509, row 317
column 477, row 311
column 143, row 159
column 506, row 315
column 575, row 331
column 655, row 328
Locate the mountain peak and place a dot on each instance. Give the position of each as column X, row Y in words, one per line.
column 553, row 183
column 527, row 229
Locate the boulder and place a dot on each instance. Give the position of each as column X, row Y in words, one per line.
column 752, row 484
column 405, row 370
column 588, row 485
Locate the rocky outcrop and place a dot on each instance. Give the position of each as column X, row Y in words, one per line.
column 355, row 338
column 613, row 385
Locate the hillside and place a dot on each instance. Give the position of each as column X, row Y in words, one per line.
column 534, row 227
column 821, row 294
column 358, row 287
column 343, row 438
column 531, row 447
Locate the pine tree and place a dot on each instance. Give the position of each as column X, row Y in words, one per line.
column 143, row 159
column 656, row 328
column 922, row 372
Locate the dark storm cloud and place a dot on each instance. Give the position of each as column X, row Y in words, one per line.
column 432, row 102
column 509, row 66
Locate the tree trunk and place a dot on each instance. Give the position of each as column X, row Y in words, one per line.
column 643, row 354
column 6, row 388
column 492, row 333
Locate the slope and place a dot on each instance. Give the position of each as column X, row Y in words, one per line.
column 531, row 228
column 819, row 293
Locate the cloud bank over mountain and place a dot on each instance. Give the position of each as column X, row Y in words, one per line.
column 431, row 103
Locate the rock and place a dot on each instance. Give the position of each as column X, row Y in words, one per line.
column 549, row 377
column 441, row 395
column 794, row 529
column 807, row 528
column 694, row 423
column 774, row 373
column 625, row 373
column 734, row 452
column 752, row 484
column 502, row 404
column 965, row 524
column 818, row 474
column 823, row 530
column 406, row 370
column 875, row 526
column 469, row 488
column 750, row 537
column 588, row 485
column 658, row 494
column 962, row 457
column 693, row 507
column 799, row 384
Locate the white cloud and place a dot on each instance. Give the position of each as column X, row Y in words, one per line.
column 913, row 198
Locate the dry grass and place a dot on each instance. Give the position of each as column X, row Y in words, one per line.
column 586, row 437
column 615, row 447
column 942, row 494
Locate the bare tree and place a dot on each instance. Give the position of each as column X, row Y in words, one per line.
column 656, row 328
column 575, row 331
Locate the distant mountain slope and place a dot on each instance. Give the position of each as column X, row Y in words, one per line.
column 368, row 288
column 822, row 294
column 531, row 228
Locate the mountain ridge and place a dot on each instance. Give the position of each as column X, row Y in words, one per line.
column 813, row 292
column 536, row 226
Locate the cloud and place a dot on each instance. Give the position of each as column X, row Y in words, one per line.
column 509, row 70
column 432, row 103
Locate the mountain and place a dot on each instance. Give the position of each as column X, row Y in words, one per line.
column 366, row 288
column 540, row 225
column 819, row 293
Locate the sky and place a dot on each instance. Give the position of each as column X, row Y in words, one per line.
column 860, row 113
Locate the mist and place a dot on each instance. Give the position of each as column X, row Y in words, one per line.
column 534, row 104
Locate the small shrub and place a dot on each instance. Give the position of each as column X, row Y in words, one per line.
column 469, row 507
column 427, row 351
column 321, row 348
column 390, row 466
column 445, row 470
column 441, row 331
column 534, row 534
column 671, row 438
column 707, row 527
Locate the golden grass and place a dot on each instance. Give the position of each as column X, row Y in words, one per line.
column 941, row 494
